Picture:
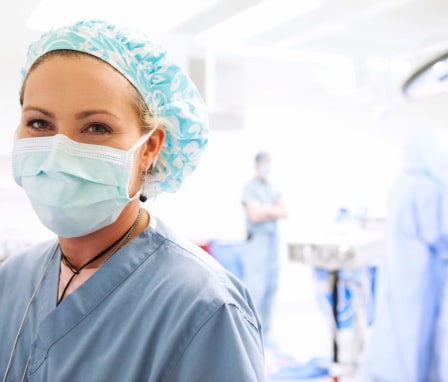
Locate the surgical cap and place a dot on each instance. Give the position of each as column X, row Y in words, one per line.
column 166, row 89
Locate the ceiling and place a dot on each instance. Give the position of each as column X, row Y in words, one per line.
column 360, row 48
column 396, row 29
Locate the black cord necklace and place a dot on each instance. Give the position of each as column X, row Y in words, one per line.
column 76, row 271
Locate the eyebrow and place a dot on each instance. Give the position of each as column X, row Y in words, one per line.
column 40, row 110
column 80, row 115
column 88, row 113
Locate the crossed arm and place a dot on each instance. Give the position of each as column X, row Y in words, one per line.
column 259, row 212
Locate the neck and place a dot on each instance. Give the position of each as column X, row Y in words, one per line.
column 79, row 250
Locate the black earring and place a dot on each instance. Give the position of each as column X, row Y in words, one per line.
column 143, row 197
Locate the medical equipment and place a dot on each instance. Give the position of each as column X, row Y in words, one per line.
column 344, row 266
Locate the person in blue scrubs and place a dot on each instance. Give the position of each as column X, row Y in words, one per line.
column 408, row 338
column 108, row 121
column 264, row 206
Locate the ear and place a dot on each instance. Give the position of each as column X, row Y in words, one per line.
column 152, row 147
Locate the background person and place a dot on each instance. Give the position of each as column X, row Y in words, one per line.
column 107, row 121
column 408, row 339
column 263, row 206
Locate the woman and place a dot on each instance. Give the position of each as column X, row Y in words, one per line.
column 108, row 121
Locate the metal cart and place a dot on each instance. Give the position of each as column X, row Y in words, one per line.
column 346, row 260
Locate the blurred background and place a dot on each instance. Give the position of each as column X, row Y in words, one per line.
column 316, row 83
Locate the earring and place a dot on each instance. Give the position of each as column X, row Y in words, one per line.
column 143, row 197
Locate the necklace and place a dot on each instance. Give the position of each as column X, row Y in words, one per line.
column 116, row 245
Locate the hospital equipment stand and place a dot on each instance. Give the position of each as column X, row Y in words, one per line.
column 334, row 277
column 335, row 255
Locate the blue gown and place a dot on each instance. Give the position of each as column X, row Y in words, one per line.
column 408, row 341
column 160, row 309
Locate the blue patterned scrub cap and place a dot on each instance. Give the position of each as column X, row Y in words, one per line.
column 165, row 87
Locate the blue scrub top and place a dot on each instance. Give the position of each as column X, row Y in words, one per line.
column 263, row 192
column 160, row 309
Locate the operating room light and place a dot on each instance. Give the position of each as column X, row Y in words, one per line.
column 429, row 80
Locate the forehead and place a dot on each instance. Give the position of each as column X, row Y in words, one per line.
column 75, row 72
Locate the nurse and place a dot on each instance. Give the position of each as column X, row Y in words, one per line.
column 408, row 341
column 263, row 206
column 108, row 120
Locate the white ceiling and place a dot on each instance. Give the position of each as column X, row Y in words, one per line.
column 356, row 28
column 361, row 49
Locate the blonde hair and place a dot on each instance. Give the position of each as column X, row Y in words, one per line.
column 149, row 122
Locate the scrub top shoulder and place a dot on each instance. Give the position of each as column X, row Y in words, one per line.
column 160, row 309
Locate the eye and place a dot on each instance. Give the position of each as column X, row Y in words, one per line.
column 97, row 128
column 38, row 124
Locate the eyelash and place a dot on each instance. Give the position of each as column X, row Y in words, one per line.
column 104, row 128
column 31, row 123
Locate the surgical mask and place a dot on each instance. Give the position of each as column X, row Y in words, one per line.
column 74, row 188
